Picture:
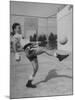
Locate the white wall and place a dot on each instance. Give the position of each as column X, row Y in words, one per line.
column 64, row 28
column 42, row 26
column 46, row 26
column 30, row 26
column 52, row 25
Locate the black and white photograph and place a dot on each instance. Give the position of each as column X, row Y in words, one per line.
column 41, row 49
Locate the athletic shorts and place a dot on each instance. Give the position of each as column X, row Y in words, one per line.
column 32, row 55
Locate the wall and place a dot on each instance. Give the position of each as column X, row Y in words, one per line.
column 46, row 26
column 64, row 27
column 42, row 26
column 30, row 26
column 52, row 25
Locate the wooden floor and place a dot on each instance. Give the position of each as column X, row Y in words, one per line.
column 53, row 77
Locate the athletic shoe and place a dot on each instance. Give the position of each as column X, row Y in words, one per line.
column 30, row 85
column 62, row 57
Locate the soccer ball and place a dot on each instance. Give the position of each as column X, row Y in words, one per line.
column 63, row 40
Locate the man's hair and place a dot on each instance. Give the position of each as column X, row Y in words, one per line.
column 14, row 26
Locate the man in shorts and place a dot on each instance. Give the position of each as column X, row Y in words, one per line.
column 16, row 37
column 32, row 50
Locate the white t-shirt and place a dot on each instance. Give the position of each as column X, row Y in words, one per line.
column 16, row 37
column 23, row 42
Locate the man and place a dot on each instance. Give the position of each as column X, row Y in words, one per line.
column 32, row 50
column 16, row 38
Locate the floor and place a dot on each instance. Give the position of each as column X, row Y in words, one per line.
column 53, row 78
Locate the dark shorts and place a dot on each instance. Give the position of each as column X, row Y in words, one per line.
column 32, row 55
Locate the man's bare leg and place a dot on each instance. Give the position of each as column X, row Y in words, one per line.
column 16, row 53
column 57, row 55
column 52, row 53
column 35, row 69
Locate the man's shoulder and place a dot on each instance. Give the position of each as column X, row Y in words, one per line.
column 17, row 35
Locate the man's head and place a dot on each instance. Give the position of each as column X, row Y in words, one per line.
column 16, row 28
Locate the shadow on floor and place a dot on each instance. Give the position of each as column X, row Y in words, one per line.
column 52, row 74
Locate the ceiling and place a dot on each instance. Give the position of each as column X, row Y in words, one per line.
column 34, row 9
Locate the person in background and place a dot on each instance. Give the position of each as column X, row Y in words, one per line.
column 16, row 38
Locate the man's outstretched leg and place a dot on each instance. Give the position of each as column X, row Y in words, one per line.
column 54, row 53
column 57, row 55
column 35, row 69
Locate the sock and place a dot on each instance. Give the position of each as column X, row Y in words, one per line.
column 31, row 77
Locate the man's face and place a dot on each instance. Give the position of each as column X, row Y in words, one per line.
column 18, row 29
